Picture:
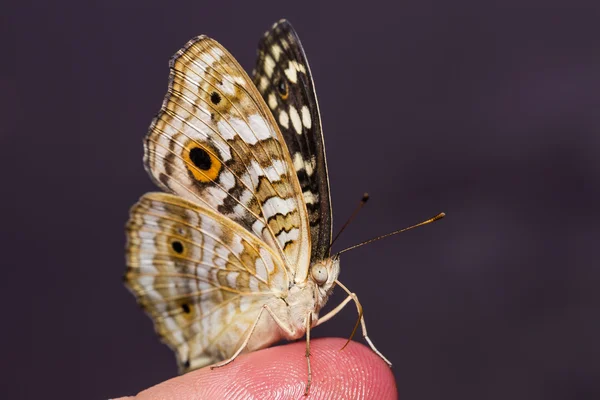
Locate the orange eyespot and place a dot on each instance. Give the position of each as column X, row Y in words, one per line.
column 176, row 247
column 201, row 162
column 282, row 88
column 187, row 310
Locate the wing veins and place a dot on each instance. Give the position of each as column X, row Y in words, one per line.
column 259, row 218
column 252, row 245
column 201, row 247
column 204, row 233
column 235, row 66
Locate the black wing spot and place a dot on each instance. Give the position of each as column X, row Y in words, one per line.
column 186, row 364
column 215, row 98
column 186, row 308
column 177, row 247
column 200, row 158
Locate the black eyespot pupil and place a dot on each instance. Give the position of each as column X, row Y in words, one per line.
column 282, row 87
column 186, row 364
column 177, row 247
column 200, row 158
column 215, row 98
column 186, row 308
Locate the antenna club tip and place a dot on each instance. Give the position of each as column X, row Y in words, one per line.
column 438, row 217
column 365, row 197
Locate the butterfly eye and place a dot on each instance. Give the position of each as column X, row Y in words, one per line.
column 282, row 88
column 319, row 274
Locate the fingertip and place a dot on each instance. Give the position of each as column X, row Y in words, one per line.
column 281, row 372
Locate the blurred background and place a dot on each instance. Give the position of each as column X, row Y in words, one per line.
column 489, row 111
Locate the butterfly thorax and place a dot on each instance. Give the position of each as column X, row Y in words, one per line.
column 310, row 296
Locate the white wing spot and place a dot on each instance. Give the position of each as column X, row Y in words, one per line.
column 272, row 101
column 216, row 195
column 300, row 67
column 272, row 172
column 237, row 247
column 217, row 51
column 228, row 87
column 295, row 117
column 306, row 120
column 284, row 119
column 298, row 161
column 276, row 50
column 207, row 58
column 277, row 205
column 225, row 130
column 309, row 197
column 261, row 270
column 268, row 260
column 227, row 180
column 225, row 152
column 264, row 82
column 291, row 72
column 257, row 130
column 260, row 127
column 285, row 237
column 257, row 227
column 253, row 284
column 269, row 65
column 231, row 279
column 173, row 328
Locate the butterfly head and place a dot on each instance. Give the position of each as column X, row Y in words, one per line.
column 324, row 273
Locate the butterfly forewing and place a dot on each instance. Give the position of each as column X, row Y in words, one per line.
column 201, row 277
column 283, row 77
column 216, row 143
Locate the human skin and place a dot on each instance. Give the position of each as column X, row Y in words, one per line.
column 280, row 373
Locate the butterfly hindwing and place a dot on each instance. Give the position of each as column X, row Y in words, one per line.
column 283, row 77
column 201, row 277
column 215, row 142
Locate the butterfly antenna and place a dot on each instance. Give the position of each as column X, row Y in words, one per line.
column 437, row 217
column 363, row 201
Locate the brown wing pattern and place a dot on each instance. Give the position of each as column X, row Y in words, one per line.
column 216, row 143
column 201, row 277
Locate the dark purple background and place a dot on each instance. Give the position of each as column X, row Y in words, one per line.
column 489, row 113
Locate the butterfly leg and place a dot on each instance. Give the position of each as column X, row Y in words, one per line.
column 286, row 329
column 352, row 297
column 309, row 380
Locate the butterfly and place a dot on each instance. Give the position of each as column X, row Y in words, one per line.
column 235, row 255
